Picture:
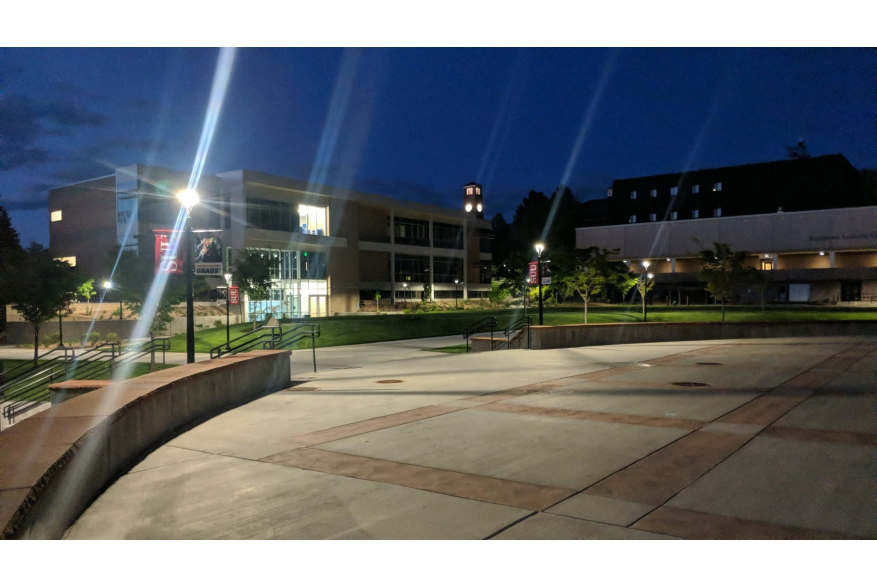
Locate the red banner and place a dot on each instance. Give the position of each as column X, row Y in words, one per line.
column 166, row 259
column 533, row 276
column 233, row 296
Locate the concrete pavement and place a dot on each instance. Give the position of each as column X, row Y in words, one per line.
column 710, row 439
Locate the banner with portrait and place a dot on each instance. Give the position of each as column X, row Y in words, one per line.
column 208, row 253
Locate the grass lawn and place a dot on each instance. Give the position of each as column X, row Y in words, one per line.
column 41, row 392
column 343, row 330
column 457, row 348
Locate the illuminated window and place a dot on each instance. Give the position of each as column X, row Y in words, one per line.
column 70, row 260
column 633, row 218
column 674, row 191
column 695, row 189
column 56, row 215
column 477, row 191
column 695, row 214
column 674, row 215
column 468, row 191
column 609, row 193
column 633, row 195
column 767, row 264
column 717, row 187
column 653, row 217
column 312, row 220
column 717, row 212
column 653, row 193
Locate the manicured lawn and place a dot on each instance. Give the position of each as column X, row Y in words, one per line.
column 454, row 349
column 343, row 330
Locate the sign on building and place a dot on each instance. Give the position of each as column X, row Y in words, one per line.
column 234, row 295
column 533, row 276
column 168, row 252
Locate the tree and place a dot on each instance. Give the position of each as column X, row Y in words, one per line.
column 644, row 285
column 86, row 290
column 38, row 287
column 377, row 301
column 10, row 245
column 723, row 271
column 799, row 151
column 587, row 273
column 760, row 283
column 253, row 272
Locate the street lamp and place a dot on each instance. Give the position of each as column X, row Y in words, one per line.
column 108, row 285
column 644, row 285
column 227, row 302
column 539, row 248
column 456, row 281
column 188, row 199
column 405, row 289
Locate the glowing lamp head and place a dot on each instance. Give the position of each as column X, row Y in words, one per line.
column 651, row 275
column 479, row 207
column 539, row 248
column 456, row 281
column 821, row 253
column 646, row 264
column 468, row 207
column 227, row 277
column 188, row 198
column 108, row 284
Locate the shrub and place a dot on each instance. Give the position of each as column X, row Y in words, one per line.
column 199, row 326
column 217, row 324
column 50, row 339
column 94, row 337
column 111, row 337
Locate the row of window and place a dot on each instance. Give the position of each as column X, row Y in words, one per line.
column 717, row 213
column 415, row 269
column 409, row 231
column 312, row 265
column 674, row 191
column 286, row 217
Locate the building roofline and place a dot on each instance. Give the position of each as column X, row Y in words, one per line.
column 727, row 217
column 58, row 187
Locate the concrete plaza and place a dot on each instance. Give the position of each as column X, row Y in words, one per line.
column 712, row 439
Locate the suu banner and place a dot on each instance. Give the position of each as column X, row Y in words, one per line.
column 533, row 276
column 168, row 254
column 208, row 253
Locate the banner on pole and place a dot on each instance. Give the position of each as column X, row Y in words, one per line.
column 168, row 254
column 234, row 295
column 208, row 253
column 533, row 276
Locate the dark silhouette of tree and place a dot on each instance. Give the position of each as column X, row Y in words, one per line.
column 799, row 151
column 252, row 272
column 723, row 271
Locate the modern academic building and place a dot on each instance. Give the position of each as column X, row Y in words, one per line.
column 334, row 247
column 807, row 223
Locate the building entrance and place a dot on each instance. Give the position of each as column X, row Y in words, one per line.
column 318, row 307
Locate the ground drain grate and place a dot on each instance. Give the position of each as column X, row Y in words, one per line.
column 391, row 381
column 689, row 384
column 710, row 364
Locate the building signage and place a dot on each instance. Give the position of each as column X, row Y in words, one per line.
column 546, row 281
column 533, row 276
column 168, row 253
column 234, row 295
column 208, row 253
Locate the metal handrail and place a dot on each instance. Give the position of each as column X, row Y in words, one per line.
column 519, row 324
column 4, row 376
column 480, row 326
column 296, row 334
column 226, row 348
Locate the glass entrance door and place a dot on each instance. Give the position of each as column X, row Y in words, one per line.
column 317, row 306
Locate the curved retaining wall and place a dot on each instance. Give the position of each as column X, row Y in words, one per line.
column 576, row 335
column 55, row 463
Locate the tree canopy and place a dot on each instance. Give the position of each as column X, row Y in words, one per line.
column 723, row 271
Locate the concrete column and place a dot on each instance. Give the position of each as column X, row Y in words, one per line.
column 673, row 265
column 831, row 259
column 775, row 265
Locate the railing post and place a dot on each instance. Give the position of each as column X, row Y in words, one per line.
column 314, row 351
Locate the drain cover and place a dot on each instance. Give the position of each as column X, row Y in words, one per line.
column 710, row 363
column 391, row 381
column 690, row 384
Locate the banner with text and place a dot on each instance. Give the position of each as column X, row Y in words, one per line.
column 533, row 276
column 234, row 296
column 208, row 253
column 168, row 254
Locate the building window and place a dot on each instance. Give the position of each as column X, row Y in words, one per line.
column 56, row 216
column 633, row 218
column 767, row 264
column 485, row 245
column 313, row 265
column 653, row 193
column 851, row 291
column 469, row 191
column 477, row 191
column 717, row 212
column 70, row 260
column 633, row 195
column 412, row 268
column 695, row 189
column 653, row 217
column 695, row 214
column 717, row 187
column 271, row 215
column 485, row 274
column 674, row 191
column 447, row 236
column 674, row 215
column 446, row 269
column 411, row 232
column 609, row 193
column 313, row 220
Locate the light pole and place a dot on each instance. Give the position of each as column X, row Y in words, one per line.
column 108, row 285
column 188, row 198
column 642, row 292
column 539, row 248
column 405, row 289
column 456, row 281
column 227, row 302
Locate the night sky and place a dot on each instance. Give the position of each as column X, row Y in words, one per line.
column 419, row 123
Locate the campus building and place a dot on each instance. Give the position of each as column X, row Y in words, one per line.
column 807, row 224
column 334, row 247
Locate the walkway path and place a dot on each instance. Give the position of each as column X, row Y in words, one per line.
column 763, row 439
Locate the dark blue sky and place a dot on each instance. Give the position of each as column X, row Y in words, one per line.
column 420, row 123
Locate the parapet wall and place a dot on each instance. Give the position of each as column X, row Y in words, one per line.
column 55, row 463
column 577, row 335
